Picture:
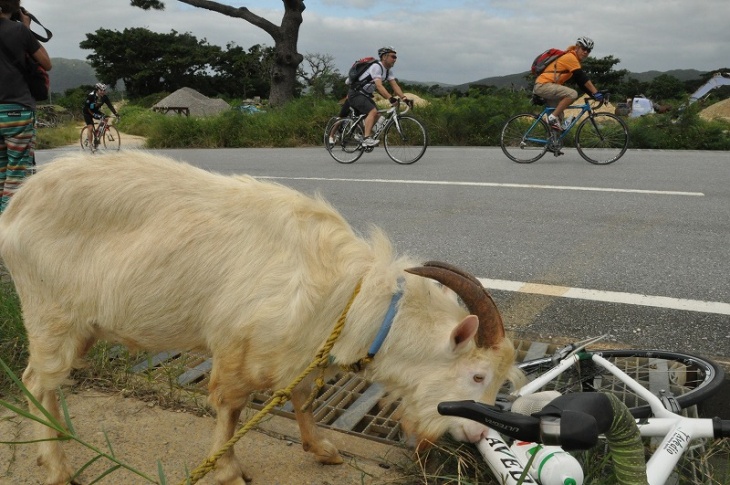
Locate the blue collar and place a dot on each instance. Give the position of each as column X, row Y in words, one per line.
column 387, row 321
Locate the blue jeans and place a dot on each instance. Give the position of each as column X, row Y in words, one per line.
column 17, row 138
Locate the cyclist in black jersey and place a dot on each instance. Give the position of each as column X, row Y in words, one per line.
column 92, row 109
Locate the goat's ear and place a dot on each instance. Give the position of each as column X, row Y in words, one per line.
column 464, row 332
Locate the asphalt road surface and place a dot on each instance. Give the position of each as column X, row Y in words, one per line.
column 638, row 250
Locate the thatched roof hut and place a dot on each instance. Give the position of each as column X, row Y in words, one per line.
column 189, row 102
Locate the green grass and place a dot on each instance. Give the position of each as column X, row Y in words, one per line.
column 13, row 341
column 451, row 121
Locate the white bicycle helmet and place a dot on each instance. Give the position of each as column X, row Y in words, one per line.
column 385, row 50
column 585, row 42
column 100, row 86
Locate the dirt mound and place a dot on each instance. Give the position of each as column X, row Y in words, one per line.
column 718, row 110
column 417, row 100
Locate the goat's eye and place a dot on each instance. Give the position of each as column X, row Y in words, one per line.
column 478, row 378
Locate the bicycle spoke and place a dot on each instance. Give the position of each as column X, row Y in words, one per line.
column 406, row 140
column 346, row 136
column 602, row 139
column 111, row 139
column 524, row 138
column 686, row 378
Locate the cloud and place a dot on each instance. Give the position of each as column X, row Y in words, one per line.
column 450, row 42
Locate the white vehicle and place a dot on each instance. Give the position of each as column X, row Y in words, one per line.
column 641, row 106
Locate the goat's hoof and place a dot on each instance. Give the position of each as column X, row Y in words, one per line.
column 327, row 454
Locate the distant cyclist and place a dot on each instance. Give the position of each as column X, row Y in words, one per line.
column 550, row 84
column 92, row 109
column 361, row 92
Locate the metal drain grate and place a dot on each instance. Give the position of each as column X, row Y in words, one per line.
column 347, row 403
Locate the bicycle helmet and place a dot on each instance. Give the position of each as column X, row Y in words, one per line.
column 585, row 42
column 100, row 86
column 385, row 50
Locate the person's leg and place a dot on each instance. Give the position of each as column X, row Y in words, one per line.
column 558, row 96
column 16, row 150
column 365, row 104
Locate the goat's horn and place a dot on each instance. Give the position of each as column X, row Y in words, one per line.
column 473, row 294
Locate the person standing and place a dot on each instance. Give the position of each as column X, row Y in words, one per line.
column 17, row 105
column 361, row 92
column 92, row 110
column 550, row 84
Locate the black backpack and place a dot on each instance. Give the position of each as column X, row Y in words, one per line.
column 358, row 68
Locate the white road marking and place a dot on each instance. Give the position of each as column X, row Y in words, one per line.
column 494, row 184
column 715, row 307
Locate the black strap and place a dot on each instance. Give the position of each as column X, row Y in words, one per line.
column 49, row 34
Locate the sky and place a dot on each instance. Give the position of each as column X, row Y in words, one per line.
column 447, row 42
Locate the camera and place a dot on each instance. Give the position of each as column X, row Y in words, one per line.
column 16, row 15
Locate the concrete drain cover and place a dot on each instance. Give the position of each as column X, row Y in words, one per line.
column 347, row 403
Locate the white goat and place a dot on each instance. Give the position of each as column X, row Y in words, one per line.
column 155, row 254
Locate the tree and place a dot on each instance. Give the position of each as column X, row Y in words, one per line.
column 149, row 62
column 601, row 72
column 244, row 74
column 321, row 75
column 666, row 86
column 286, row 36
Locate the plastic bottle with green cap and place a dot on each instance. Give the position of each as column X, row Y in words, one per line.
column 551, row 465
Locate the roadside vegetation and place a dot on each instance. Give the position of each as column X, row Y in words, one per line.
column 473, row 119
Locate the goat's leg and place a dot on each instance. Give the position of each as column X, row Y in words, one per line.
column 312, row 439
column 51, row 358
column 228, row 396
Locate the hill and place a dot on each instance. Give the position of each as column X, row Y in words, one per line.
column 521, row 81
column 69, row 74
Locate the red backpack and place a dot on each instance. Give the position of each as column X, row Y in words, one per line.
column 542, row 61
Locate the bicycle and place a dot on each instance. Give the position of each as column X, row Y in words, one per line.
column 105, row 134
column 405, row 138
column 601, row 138
column 664, row 385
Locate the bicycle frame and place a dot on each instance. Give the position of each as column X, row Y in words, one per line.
column 392, row 114
column 101, row 128
column 584, row 108
column 678, row 432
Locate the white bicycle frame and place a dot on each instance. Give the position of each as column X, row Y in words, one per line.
column 677, row 431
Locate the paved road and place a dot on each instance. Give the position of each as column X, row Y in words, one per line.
column 639, row 249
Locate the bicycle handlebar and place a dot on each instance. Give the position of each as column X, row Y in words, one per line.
column 573, row 421
column 396, row 105
column 603, row 101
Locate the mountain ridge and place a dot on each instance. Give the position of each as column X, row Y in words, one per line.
column 521, row 80
column 72, row 73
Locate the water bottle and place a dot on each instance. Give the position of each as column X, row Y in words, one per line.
column 567, row 122
column 379, row 124
column 551, row 465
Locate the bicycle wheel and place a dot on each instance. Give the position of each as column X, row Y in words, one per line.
column 602, row 139
column 346, row 147
column 328, row 130
column 525, row 138
column 84, row 138
column 111, row 139
column 406, row 140
column 687, row 378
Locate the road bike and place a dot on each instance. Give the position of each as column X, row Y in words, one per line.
column 655, row 391
column 600, row 138
column 404, row 137
column 106, row 136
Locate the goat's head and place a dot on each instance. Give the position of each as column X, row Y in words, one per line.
column 446, row 352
